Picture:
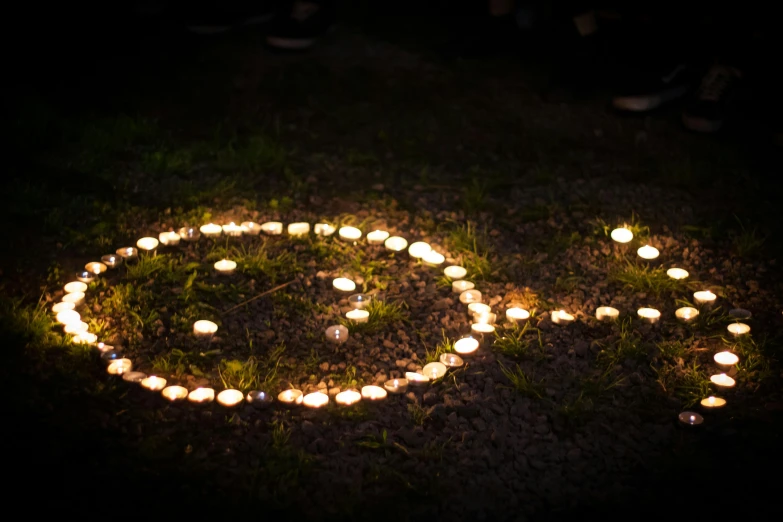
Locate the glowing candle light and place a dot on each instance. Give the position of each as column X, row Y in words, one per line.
column 225, row 266
column 111, row 260
column 677, row 273
column 396, row 386
column 153, row 383
column 358, row 316
column 516, row 314
column 259, row 399
column 484, row 318
column 737, row 329
column 466, row 345
column 77, row 298
column 337, row 334
column 233, row 230
column 396, row 243
column 722, row 380
column 298, row 229
column 416, row 379
column 76, row 328
column 204, row 328
column 202, row 395
column 75, row 286
column 349, row 233
column 433, row 258
column 621, row 235
column 478, row 308
column 561, row 317
column 347, row 397
column 127, row 253
column 434, row 370
column 84, row 338
column 67, row 317
column 649, row 315
column 119, row 366
column 315, row 400
column 482, row 328
column 103, row 347
column 147, row 243
column 170, row 238
column 230, row 398
column 470, row 296
column 251, row 228
column 455, row 272
column 648, row 252
column 189, row 233
column 451, row 360
column 61, row 307
column 290, row 397
column 324, row 229
column 704, row 297
column 96, row 267
column 85, row 276
column 373, row 393
column 211, row 230
column 272, row 228
column 606, row 313
column 690, row 418
column 725, row 358
column 134, row 377
column 686, row 313
column 174, row 393
column 712, row 402
column 359, row 301
column 343, row 284
column 461, row 286
column 419, row 249
column 377, row 237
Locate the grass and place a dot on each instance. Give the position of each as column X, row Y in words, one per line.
column 640, row 231
column 382, row 314
column 243, row 376
column 569, row 282
column 257, row 261
column 627, row 345
column 522, row 383
column 472, row 245
column 516, row 343
column 418, row 414
column 643, row 278
column 445, row 345
column 688, row 383
column 27, row 324
column 746, row 242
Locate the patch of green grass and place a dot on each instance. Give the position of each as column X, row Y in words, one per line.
column 418, row 414
column 382, row 314
column 516, row 343
column 746, row 242
column 560, row 243
column 575, row 410
column 474, row 195
column 643, row 278
column 756, row 356
column 178, row 362
column 635, row 225
column 688, row 383
column 627, row 345
column 445, row 345
column 28, row 325
column 568, row 282
column 149, row 265
column 522, row 383
column 133, row 308
column 243, row 376
column 257, row 261
column 673, row 350
column 371, row 270
column 473, row 246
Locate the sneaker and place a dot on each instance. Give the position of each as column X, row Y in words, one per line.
column 220, row 17
column 646, row 92
column 707, row 111
column 302, row 27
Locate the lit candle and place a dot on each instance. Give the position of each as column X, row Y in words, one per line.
column 434, row 370
column 225, row 266
column 649, row 315
column 343, row 284
column 349, row 233
column 170, row 238
column 416, row 379
column 396, row 385
column 359, row 301
column 433, row 258
column 95, row 267
column 677, row 273
column 606, row 313
column 103, row 347
column 127, row 253
column 324, row 229
column 723, row 380
column 119, row 366
column 347, row 397
column 251, row 228
column 174, row 393
column 134, row 377
column 561, row 317
column 298, row 229
column 725, row 359
column 315, row 400
column 259, row 399
column 704, row 297
column 482, row 328
column 358, row 316
column 377, row 237
column 478, row 308
column 290, row 397
column 147, row 243
column 189, row 233
column 395, row 243
column 76, row 328
column 201, row 395
column 204, row 328
column 85, row 276
column 230, row 398
column 153, row 383
column 516, row 314
column 211, row 230
column 461, row 286
column 419, row 249
column 484, row 318
column 621, row 235
column 337, row 334
column 77, row 298
column 691, row 418
column 686, row 313
column 111, row 260
column 373, row 393
column 648, row 252
column 62, row 307
column 232, row 230
column 84, row 338
column 737, row 329
column 455, row 272
column 272, row 228
column 713, row 402
column 75, row 286
column 466, row 345
column 67, row 317
column 451, row 360
column 470, row 296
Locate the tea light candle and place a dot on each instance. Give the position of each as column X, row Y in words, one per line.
column 225, row 266
column 648, row 252
column 76, row 328
column 725, row 358
column 455, row 272
column 347, row 397
column 516, row 314
column 211, row 230
column 95, row 267
column 461, row 286
column 478, row 308
column 433, row 258
column 290, row 397
column 251, row 228
column 232, row 230
column 230, row 398
column 722, row 380
column 713, row 402
column 395, row 244
column 272, row 228
column 396, row 385
column 169, row 238
column 358, row 316
column 62, row 307
column 119, row 366
column 337, row 334
column 416, row 379
column 373, row 393
column 377, row 237
column 77, row 298
column 482, row 328
column 127, row 253
column 204, row 328
column 67, row 317
column 649, row 315
column 189, row 233
column 147, row 243
column 85, row 276
column 349, row 233
column 419, row 249
column 677, row 273
column 470, row 296
column 737, row 329
column 686, row 313
column 111, row 260
column 484, row 318
column 621, row 235
column 298, row 229
column 343, row 284
column 466, row 345
column 174, row 393
column 561, row 317
column 606, row 313
column 315, row 400
column 201, row 395
column 103, row 347
column 84, row 338
column 740, row 313
column 704, row 297
column 324, row 229
column 153, row 383
column 134, row 377
column 434, row 370
column 75, row 287
column 691, row 418
column 259, row 399
column 451, row 361
column 359, row 301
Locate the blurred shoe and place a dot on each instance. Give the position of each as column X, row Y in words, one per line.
column 302, row 26
column 220, row 17
column 707, row 111
column 645, row 92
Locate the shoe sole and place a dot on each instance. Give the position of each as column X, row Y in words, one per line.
column 648, row 103
column 290, row 43
column 697, row 124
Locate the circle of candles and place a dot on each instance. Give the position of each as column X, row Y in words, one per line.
column 478, row 308
column 127, row 253
column 373, row 393
column 153, row 383
column 561, row 317
column 358, row 316
column 461, row 286
column 349, row 233
column 725, row 358
column 396, row 385
column 686, row 313
column 75, row 286
column 84, row 338
column 337, row 334
column 416, row 379
column 96, row 267
column 450, row 360
column 347, row 397
column 677, row 273
column 621, row 235
column 147, row 243
column 211, row 230
column 704, row 297
column 737, row 329
column 203, row 328
column 606, row 313
column 189, row 233
column 516, row 314
column 712, row 402
column 466, row 345
column 290, row 397
column 119, row 366
column 648, row 252
column 111, row 260
column 201, row 395
column 377, row 237
column 722, row 380
column 174, row 393
column 649, row 315
column 76, row 328
column 395, row 243
column 298, row 229
column 225, row 266
column 470, row 296
column 419, row 249
column 433, row 258
column 62, row 307
column 324, row 229
column 359, row 301
column 170, row 238
column 134, row 377
column 482, row 328
column 740, row 313
column 691, row 418
column 434, row 370
column 343, row 284
column 259, row 399
column 67, row 317
column 233, row 230
column 230, row 398
column 272, row 228
column 85, row 276
column 77, row 298
column 455, row 272
column 251, row 228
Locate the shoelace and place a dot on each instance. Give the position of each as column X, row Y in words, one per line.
column 715, row 83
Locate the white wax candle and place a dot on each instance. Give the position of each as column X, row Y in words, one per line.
column 561, row 317
column 134, row 377
column 337, row 334
column 650, row 315
column 461, row 286
column 147, row 243
column 174, row 393
column 433, row 258
column 315, row 400
column 233, row 230
column 434, row 370
column 606, row 313
column 324, row 229
column 251, row 228
column 478, row 308
column 76, row 328
column 103, row 347
column 127, row 253
column 451, row 360
column 67, row 317
column 691, row 418
column 169, row 238
column 713, row 402
column 725, row 358
column 470, row 296
column 62, row 307
column 648, row 252
column 75, row 286
column 347, row 397
column 154, row 383
column 204, row 328
column 111, row 260
column 419, row 249
column 272, row 228
column 466, row 345
column 201, row 395
column 119, row 366
column 722, row 380
column 290, row 397
column 189, row 234
column 482, row 328
column 686, row 313
column 77, row 298
column 516, row 314
column 373, row 393
column 737, row 329
column 704, row 297
column 211, row 230
column 230, row 398
column 358, row 316
column 395, row 243
column 84, row 338
column 343, row 284
column 621, row 235
column 95, row 267
column 455, row 272
column 298, row 229
column 396, row 385
column 416, row 379
column 349, row 233
column 377, row 237
column 677, row 273
column 225, row 266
